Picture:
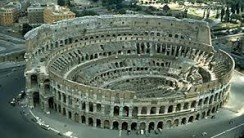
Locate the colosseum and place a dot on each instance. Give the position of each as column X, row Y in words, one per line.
column 127, row 72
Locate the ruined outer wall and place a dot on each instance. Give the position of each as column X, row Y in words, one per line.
column 92, row 105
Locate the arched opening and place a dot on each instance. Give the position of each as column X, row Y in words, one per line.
column 217, row 107
column 134, row 126
column 160, row 125
column 211, row 100
column 126, row 111
column 36, row 98
column 197, row 116
column 190, row 119
column 106, row 124
column 116, row 125
column 83, row 119
column 124, row 126
column 83, row 106
column 183, row 121
column 193, row 104
column 90, row 121
column 205, row 100
column 161, row 109
column 153, row 110
column 64, row 97
column 213, row 110
column 144, row 110
column 34, row 81
column 208, row 113
column 170, row 109
column 186, row 105
column 176, row 122
column 142, row 126
column 168, row 124
column 99, row 107
column 77, row 117
column 50, row 103
column 178, row 107
column 203, row 115
column 64, row 111
column 46, row 86
column 90, row 106
column 220, row 104
column 116, row 110
column 151, row 126
column 98, row 123
column 70, row 115
column 216, row 97
column 135, row 111
column 200, row 102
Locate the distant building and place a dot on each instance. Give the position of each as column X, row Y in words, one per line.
column 35, row 14
column 56, row 13
column 147, row 1
column 8, row 15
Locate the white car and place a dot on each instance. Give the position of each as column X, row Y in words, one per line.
column 204, row 133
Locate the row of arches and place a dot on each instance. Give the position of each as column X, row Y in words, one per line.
column 127, row 111
column 68, row 41
column 141, row 125
column 173, row 50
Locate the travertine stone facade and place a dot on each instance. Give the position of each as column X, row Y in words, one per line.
column 129, row 72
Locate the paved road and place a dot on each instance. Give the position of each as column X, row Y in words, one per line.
column 13, row 124
column 10, row 42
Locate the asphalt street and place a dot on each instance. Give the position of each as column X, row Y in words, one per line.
column 14, row 124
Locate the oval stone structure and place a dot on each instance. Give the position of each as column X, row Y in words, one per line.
column 127, row 72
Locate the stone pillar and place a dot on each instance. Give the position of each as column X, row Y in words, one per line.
column 166, row 109
column 139, row 110
column 148, row 111
column 30, row 98
column 28, row 81
column 112, row 110
column 94, row 122
column 94, row 107
column 121, row 113
column 174, row 108
column 147, row 126
column 42, row 89
column 46, row 108
column 87, row 106
column 189, row 106
column 102, row 109
column 157, row 110
column 130, row 111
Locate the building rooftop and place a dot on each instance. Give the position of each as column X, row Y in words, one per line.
column 59, row 10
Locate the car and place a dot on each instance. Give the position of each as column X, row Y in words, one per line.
column 13, row 102
column 46, row 127
column 34, row 119
column 204, row 133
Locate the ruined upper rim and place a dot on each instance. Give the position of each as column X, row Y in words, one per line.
column 175, row 72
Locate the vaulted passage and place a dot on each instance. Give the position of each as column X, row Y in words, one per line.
column 36, row 98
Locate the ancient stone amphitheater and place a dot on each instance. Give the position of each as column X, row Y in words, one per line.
column 129, row 72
